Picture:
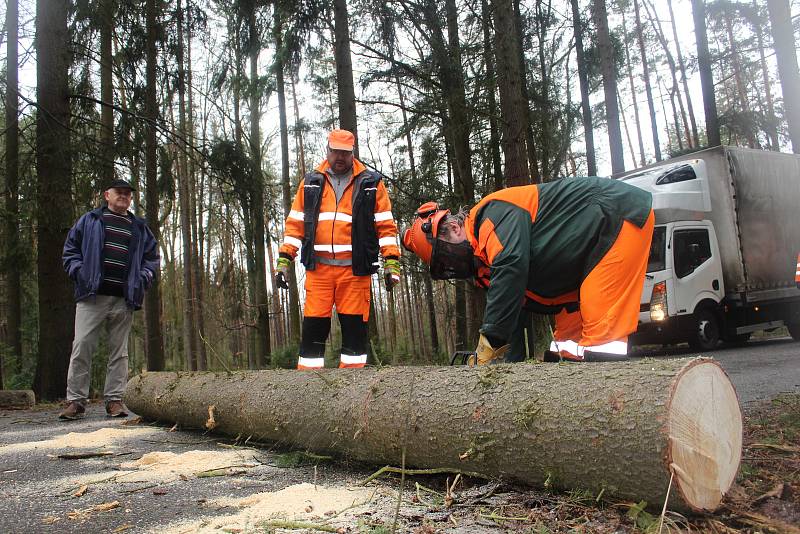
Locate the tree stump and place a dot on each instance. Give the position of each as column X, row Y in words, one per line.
column 623, row 429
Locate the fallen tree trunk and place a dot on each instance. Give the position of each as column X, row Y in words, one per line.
column 618, row 428
column 19, row 399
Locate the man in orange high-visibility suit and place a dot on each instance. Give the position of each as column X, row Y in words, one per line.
column 797, row 273
column 576, row 248
column 340, row 219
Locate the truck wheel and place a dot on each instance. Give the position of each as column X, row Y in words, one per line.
column 794, row 330
column 705, row 330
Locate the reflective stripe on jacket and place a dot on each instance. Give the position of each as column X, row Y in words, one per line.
column 352, row 230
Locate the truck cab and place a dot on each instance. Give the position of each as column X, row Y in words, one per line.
column 722, row 254
column 684, row 274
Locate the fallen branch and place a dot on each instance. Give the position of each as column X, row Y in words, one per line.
column 83, row 455
column 432, row 471
column 294, row 525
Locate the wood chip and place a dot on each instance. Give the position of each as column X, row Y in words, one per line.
column 123, row 528
column 774, row 493
column 106, row 506
column 135, row 421
column 81, row 491
column 211, row 423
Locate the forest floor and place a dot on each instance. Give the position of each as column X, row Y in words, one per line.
column 106, row 475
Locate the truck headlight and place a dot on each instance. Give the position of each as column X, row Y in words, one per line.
column 658, row 302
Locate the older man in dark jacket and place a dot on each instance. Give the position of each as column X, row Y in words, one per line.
column 112, row 257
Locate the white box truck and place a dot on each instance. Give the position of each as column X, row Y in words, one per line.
column 722, row 263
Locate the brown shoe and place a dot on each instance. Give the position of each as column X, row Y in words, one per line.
column 116, row 409
column 74, row 410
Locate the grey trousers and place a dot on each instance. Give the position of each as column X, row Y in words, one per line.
column 90, row 315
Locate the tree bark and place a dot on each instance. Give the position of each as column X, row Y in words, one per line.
column 513, row 108
column 17, row 399
column 190, row 338
column 491, row 89
column 12, row 252
column 617, row 429
column 54, row 214
column 783, row 40
column 106, row 94
column 706, row 75
column 154, row 343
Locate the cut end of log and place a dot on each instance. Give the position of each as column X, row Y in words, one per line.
column 705, row 434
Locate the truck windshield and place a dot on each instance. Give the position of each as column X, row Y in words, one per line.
column 657, row 262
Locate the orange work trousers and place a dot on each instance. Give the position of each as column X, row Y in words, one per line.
column 610, row 297
column 328, row 286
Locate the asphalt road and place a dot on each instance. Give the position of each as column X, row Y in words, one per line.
column 760, row 369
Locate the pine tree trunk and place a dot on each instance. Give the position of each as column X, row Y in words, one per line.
column 12, row 257
column 783, row 40
column 706, row 75
column 106, row 95
column 772, row 126
column 616, row 429
column 491, row 88
column 286, row 189
column 682, row 67
column 675, row 91
column 738, row 75
column 583, row 80
column 262, row 346
column 154, row 343
column 606, row 56
column 195, row 193
column 278, row 68
column 646, row 76
column 513, row 108
column 629, row 69
column 54, row 214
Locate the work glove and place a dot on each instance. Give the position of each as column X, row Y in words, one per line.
column 486, row 354
column 282, row 272
column 391, row 273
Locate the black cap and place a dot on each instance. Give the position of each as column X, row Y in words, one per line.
column 121, row 184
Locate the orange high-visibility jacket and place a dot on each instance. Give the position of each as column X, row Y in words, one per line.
column 336, row 235
column 797, row 272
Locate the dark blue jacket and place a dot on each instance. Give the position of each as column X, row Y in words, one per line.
column 83, row 258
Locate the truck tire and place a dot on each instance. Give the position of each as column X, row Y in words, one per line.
column 794, row 330
column 705, row 330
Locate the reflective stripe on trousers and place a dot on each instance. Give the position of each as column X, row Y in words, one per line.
column 571, row 350
column 346, row 361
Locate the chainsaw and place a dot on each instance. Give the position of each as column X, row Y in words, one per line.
column 464, row 357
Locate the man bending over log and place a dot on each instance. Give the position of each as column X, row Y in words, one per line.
column 576, row 248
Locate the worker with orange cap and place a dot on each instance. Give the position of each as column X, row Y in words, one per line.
column 341, row 218
column 576, row 248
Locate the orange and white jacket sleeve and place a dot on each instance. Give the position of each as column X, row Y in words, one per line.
column 294, row 231
column 385, row 226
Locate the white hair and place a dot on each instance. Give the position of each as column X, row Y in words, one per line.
column 458, row 217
